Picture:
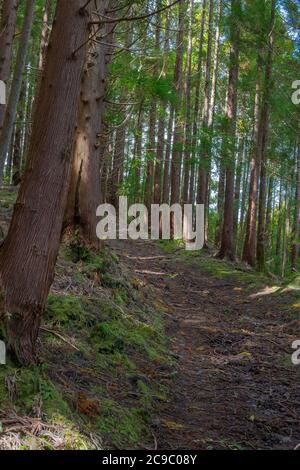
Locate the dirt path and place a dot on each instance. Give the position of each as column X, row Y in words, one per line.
column 235, row 387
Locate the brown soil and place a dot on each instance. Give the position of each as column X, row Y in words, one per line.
column 235, row 386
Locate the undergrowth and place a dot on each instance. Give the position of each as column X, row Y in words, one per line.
column 104, row 362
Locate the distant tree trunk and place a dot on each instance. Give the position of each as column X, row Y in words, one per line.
column 7, row 31
column 205, row 153
column 249, row 252
column 220, row 202
column 237, row 189
column 188, row 110
column 280, row 222
column 150, row 156
column 45, row 34
column 166, row 179
column 84, row 193
column 44, row 39
column 18, row 141
column 179, row 128
column 227, row 246
column 138, row 144
column 203, row 167
column 104, row 160
column 11, row 109
column 28, row 255
column 192, row 197
column 296, row 230
column 261, row 229
column 159, row 156
column 118, row 162
column 158, row 181
column 117, row 170
column 245, row 191
column 286, row 230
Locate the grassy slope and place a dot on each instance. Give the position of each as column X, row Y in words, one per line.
column 102, row 355
column 104, row 361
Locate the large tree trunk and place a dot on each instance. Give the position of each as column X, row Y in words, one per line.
column 28, row 255
column 227, row 246
column 84, row 193
column 15, row 91
column 7, row 31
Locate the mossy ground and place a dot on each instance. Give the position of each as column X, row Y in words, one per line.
column 206, row 262
column 101, row 349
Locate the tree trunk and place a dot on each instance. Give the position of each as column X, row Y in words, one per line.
column 237, row 189
column 261, row 229
column 227, row 246
column 7, row 31
column 296, row 230
column 28, row 255
column 166, row 179
column 203, row 167
column 188, row 110
column 158, row 181
column 192, row 197
column 249, row 252
column 84, row 193
column 11, row 109
column 178, row 129
column 18, row 141
column 137, row 156
column 150, row 156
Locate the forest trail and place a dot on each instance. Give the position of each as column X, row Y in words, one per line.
column 235, row 386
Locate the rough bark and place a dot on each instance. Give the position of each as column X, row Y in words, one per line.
column 84, row 193
column 28, row 255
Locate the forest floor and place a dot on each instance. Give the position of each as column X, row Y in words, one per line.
column 147, row 346
column 236, row 387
